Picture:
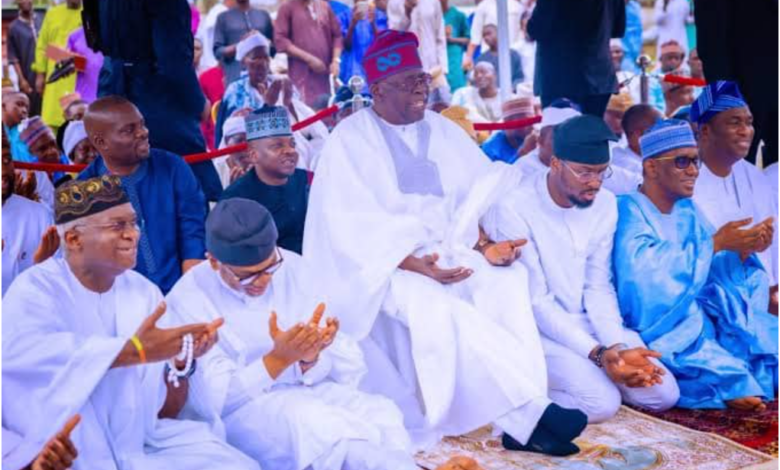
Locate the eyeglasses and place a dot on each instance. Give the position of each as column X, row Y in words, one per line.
column 249, row 279
column 682, row 162
column 413, row 82
column 588, row 175
column 119, row 226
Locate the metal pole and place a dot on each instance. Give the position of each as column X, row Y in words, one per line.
column 644, row 86
column 504, row 63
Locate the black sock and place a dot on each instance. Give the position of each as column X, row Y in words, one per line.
column 541, row 441
column 565, row 423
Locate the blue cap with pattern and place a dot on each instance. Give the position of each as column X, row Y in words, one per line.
column 268, row 121
column 666, row 135
column 716, row 98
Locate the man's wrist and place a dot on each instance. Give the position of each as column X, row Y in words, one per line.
column 597, row 355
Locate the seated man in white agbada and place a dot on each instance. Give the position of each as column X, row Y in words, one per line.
column 393, row 223
column 80, row 336
column 592, row 360
column 282, row 379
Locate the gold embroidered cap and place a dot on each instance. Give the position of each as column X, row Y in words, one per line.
column 78, row 199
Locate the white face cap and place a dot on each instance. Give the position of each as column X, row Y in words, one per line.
column 246, row 45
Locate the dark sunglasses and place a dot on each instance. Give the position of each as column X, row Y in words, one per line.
column 682, row 162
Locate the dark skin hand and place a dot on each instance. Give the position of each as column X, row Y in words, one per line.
column 59, row 453
column 427, row 267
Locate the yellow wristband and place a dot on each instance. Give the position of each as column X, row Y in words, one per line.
column 140, row 347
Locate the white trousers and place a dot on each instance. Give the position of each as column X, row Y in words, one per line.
column 575, row 382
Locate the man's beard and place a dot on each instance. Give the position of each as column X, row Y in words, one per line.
column 579, row 203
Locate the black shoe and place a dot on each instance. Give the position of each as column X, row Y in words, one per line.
column 542, row 441
column 565, row 423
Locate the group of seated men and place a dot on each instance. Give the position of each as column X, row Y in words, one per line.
column 437, row 291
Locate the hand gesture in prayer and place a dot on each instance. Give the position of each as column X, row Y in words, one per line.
column 327, row 334
column 504, row 253
column 427, row 267
column 632, row 367
column 766, row 231
column 299, row 342
column 271, row 93
column 59, row 453
column 50, row 243
column 27, row 186
column 733, row 237
column 161, row 344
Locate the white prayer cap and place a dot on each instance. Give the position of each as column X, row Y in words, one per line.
column 74, row 133
column 616, row 42
column 559, row 111
column 250, row 42
column 233, row 125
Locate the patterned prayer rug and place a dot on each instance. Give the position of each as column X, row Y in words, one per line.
column 755, row 430
column 629, row 441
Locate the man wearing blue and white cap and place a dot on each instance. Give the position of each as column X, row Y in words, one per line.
column 569, row 222
column 729, row 188
column 274, row 181
column 686, row 288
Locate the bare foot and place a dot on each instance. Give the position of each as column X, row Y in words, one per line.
column 460, row 463
column 747, row 404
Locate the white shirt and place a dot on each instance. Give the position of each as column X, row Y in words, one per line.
column 744, row 193
column 480, row 109
column 671, row 23
column 624, row 157
column 569, row 262
column 487, row 13
column 427, row 23
column 24, row 223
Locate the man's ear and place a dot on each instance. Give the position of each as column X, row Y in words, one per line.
column 73, row 240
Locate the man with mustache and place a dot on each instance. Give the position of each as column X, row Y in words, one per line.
column 593, row 362
column 392, row 230
column 166, row 197
column 685, row 287
column 274, row 180
column 730, row 189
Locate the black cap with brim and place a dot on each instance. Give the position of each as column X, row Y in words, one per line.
column 583, row 139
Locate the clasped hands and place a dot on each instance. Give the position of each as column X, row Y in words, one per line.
column 733, row 237
column 302, row 343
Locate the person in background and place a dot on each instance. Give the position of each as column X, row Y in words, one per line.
column 86, row 80
column 486, row 13
column 671, row 17
column 360, row 33
column 232, row 26
column 310, row 34
column 232, row 167
column 206, row 31
column 76, row 144
column 60, row 22
column 42, row 144
column 636, row 120
column 482, row 99
column 613, row 116
column 425, row 19
column 510, row 144
column 671, row 61
column 148, row 52
column 22, row 35
column 632, row 39
column 456, row 27
column 16, row 109
column 628, row 81
column 490, row 35
column 574, row 61
column 676, row 96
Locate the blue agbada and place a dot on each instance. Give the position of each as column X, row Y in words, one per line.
column 498, row 148
column 171, row 212
column 705, row 313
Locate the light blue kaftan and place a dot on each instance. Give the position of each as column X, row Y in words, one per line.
column 707, row 314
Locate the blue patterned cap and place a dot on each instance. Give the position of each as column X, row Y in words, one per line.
column 666, row 135
column 716, row 98
column 268, row 121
